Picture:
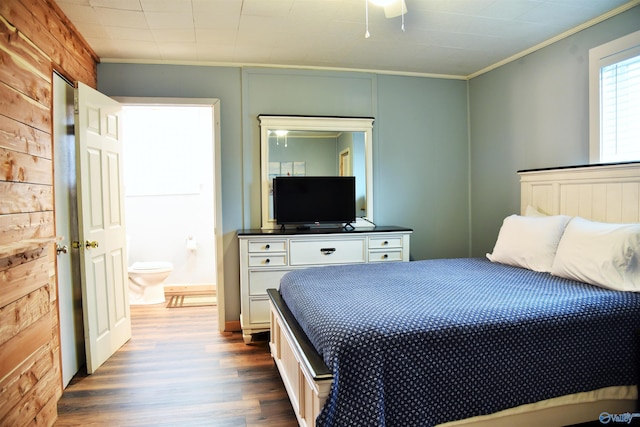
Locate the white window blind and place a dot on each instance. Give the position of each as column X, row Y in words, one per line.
column 620, row 111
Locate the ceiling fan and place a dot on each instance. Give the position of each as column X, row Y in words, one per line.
column 392, row 8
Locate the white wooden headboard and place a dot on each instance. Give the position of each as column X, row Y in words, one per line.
column 606, row 193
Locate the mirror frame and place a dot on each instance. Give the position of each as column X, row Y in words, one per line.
column 311, row 123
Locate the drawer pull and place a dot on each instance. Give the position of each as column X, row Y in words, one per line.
column 385, row 243
column 327, row 251
column 267, row 246
column 267, row 261
column 385, row 256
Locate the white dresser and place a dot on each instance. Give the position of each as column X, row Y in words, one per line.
column 266, row 255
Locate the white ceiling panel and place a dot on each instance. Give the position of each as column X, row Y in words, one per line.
column 118, row 18
column 450, row 37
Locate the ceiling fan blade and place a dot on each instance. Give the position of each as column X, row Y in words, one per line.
column 394, row 9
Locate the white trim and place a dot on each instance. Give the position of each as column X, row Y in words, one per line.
column 284, row 66
column 135, row 100
column 469, row 175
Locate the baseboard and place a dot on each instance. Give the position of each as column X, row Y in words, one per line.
column 206, row 288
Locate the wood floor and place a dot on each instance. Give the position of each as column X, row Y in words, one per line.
column 178, row 370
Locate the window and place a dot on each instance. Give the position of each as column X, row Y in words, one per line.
column 614, row 92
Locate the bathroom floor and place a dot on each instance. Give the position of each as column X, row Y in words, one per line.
column 179, row 370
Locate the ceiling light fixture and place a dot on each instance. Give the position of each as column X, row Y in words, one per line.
column 392, row 8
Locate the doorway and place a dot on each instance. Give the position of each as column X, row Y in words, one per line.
column 345, row 163
column 71, row 322
column 169, row 191
column 177, row 144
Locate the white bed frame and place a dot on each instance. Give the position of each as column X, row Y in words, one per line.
column 607, row 193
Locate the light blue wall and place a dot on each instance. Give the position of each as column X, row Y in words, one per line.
column 421, row 163
column 420, row 142
column 318, row 154
column 531, row 113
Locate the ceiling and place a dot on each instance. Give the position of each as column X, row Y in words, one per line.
column 457, row 38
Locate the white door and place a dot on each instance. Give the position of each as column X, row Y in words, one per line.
column 105, row 298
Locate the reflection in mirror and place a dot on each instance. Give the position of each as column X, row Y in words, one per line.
column 316, row 146
column 319, row 153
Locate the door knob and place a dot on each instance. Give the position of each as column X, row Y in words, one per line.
column 90, row 245
column 62, row 249
column 78, row 245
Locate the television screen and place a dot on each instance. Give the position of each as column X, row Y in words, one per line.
column 314, row 199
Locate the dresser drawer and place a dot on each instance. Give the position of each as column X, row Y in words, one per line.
column 259, row 309
column 277, row 260
column 260, row 281
column 323, row 252
column 383, row 242
column 385, row 256
column 267, row 245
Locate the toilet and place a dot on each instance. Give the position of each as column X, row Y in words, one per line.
column 146, row 282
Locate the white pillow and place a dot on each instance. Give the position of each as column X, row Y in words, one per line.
column 531, row 211
column 529, row 242
column 600, row 253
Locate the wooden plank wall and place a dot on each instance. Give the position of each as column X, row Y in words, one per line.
column 35, row 39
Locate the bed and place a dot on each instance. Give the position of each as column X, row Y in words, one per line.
column 500, row 342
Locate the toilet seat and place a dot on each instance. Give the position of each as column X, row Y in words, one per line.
column 150, row 267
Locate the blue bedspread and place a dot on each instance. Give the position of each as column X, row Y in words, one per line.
column 426, row 342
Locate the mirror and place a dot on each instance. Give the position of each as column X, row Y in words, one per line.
column 317, row 146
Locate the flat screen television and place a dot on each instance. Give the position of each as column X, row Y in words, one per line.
column 314, row 199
